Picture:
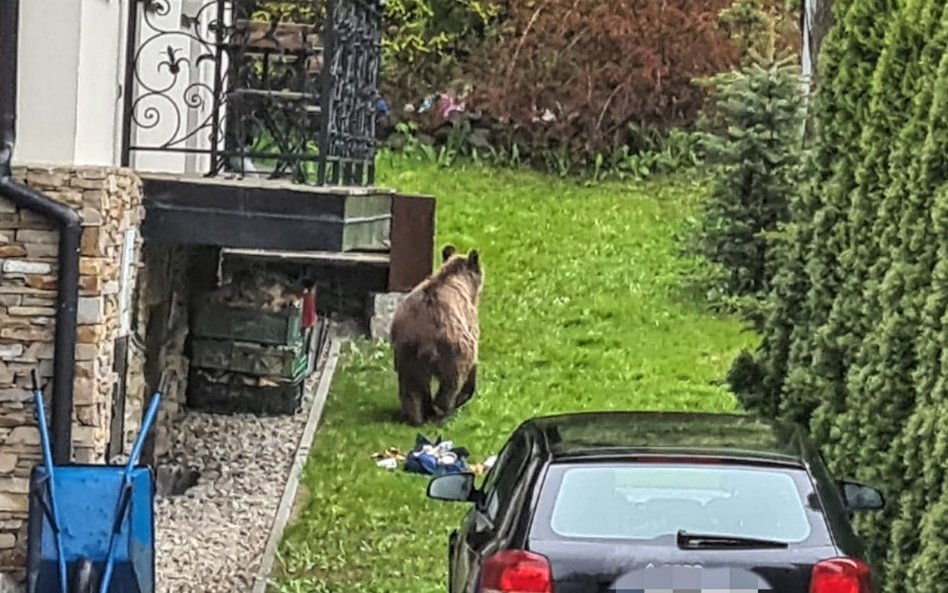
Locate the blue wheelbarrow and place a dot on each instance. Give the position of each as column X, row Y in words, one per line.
column 91, row 527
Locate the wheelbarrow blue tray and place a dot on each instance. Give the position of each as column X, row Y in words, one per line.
column 87, row 496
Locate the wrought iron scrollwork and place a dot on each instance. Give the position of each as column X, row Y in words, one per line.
column 259, row 97
column 354, row 44
column 162, row 93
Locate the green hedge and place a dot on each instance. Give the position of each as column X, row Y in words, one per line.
column 854, row 343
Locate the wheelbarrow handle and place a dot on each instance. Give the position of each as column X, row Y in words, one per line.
column 125, row 493
column 147, row 423
column 47, row 452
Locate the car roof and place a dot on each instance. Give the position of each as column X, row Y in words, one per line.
column 609, row 434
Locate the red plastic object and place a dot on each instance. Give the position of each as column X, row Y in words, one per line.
column 309, row 307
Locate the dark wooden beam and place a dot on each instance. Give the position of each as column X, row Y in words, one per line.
column 412, row 249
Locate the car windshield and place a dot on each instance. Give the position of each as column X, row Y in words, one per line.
column 648, row 501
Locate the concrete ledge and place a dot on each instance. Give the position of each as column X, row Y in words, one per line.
column 382, row 308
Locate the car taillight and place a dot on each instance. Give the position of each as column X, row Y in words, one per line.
column 841, row 575
column 516, row 571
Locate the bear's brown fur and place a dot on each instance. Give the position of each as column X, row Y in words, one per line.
column 435, row 335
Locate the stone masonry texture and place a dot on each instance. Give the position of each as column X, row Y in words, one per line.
column 109, row 203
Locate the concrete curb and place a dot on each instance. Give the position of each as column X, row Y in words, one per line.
column 299, row 461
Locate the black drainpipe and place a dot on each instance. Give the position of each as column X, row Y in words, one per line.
column 70, row 232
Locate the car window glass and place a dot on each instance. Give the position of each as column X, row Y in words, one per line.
column 645, row 502
column 491, row 478
column 503, row 477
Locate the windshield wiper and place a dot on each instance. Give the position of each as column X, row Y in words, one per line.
column 699, row 541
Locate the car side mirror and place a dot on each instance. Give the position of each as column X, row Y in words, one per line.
column 859, row 497
column 453, row 488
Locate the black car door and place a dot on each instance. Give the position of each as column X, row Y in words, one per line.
column 479, row 534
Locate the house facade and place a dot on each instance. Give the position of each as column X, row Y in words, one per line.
column 148, row 139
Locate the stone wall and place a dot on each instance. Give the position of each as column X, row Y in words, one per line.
column 109, row 203
column 161, row 330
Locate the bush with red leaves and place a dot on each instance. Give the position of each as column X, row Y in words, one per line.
column 600, row 69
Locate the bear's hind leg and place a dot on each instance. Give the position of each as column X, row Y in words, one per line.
column 469, row 387
column 445, row 401
column 414, row 392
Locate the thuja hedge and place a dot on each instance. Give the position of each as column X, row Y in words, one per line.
column 784, row 355
column 854, row 344
column 815, row 383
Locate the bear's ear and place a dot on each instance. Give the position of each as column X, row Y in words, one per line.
column 474, row 259
column 447, row 252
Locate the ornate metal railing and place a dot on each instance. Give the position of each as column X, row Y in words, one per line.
column 221, row 87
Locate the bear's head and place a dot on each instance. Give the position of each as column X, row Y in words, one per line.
column 466, row 268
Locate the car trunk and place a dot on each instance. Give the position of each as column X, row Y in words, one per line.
column 616, row 567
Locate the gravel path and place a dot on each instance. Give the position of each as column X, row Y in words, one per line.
column 211, row 538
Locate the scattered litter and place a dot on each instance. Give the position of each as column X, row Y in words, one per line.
column 546, row 117
column 428, row 103
column 448, row 105
column 387, row 463
column 389, row 459
column 479, row 469
column 445, row 103
column 436, row 458
column 432, row 458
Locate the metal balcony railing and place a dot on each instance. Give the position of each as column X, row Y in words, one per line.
column 224, row 87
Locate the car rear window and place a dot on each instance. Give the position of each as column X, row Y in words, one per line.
column 649, row 501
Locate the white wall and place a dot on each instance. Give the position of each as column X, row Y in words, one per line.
column 100, row 79
column 69, row 76
column 48, row 79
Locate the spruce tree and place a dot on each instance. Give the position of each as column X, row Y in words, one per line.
column 753, row 119
column 757, row 115
column 758, row 379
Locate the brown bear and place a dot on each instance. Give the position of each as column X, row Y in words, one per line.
column 435, row 335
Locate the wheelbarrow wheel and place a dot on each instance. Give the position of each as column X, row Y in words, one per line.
column 84, row 580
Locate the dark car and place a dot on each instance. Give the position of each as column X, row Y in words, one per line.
column 640, row 501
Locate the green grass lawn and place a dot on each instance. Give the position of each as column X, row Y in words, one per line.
column 580, row 312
